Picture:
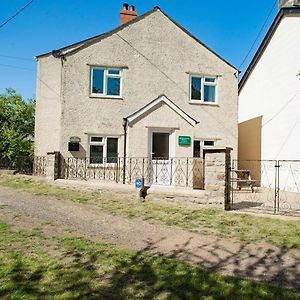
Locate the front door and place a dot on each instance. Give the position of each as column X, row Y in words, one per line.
column 160, row 154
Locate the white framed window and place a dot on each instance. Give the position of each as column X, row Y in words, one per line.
column 199, row 145
column 203, row 89
column 103, row 149
column 106, row 82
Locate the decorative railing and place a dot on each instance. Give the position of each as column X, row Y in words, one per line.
column 273, row 185
column 39, row 165
column 186, row 172
column 21, row 164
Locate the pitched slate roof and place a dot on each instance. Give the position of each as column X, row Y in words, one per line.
column 87, row 42
column 286, row 11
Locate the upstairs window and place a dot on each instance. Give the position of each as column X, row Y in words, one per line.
column 106, row 82
column 203, row 89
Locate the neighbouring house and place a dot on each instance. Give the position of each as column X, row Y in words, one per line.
column 269, row 92
column 147, row 89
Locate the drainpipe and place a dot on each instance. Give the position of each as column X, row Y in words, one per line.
column 125, row 125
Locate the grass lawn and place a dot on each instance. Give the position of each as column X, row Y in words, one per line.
column 205, row 221
column 36, row 266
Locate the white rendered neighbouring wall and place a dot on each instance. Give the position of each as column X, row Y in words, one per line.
column 273, row 92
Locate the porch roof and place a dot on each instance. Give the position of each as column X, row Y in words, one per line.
column 161, row 99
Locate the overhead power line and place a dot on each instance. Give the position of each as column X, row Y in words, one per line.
column 17, row 57
column 258, row 35
column 17, row 13
column 16, row 67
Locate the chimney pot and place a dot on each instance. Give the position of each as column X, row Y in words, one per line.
column 127, row 15
column 288, row 3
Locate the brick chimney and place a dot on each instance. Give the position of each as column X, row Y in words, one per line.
column 126, row 14
column 288, row 3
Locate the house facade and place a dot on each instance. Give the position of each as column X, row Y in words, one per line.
column 146, row 89
column 269, row 92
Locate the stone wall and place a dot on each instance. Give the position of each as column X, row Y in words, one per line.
column 52, row 166
column 215, row 176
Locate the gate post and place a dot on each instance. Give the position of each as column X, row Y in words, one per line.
column 227, row 202
column 53, row 165
column 277, row 187
column 217, row 171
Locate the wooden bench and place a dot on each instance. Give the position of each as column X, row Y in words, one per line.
column 244, row 179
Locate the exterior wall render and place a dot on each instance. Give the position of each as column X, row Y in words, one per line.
column 272, row 91
column 157, row 62
column 48, row 106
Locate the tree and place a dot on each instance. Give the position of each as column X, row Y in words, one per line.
column 16, row 126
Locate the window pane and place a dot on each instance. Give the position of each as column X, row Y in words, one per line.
column 196, row 88
column 98, row 76
column 96, row 139
column 209, row 93
column 197, row 149
column 117, row 72
column 210, row 79
column 113, row 86
column 160, row 145
column 112, row 150
column 96, row 154
column 209, row 143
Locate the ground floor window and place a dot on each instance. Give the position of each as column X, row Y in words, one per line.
column 103, row 149
column 199, row 145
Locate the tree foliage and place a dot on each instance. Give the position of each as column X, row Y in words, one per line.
column 16, row 125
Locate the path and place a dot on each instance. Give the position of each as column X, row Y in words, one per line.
column 260, row 261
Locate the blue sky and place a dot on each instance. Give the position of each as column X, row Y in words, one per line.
column 228, row 27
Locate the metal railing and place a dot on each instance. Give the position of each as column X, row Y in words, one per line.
column 187, row 172
column 20, row 164
column 39, row 165
column 274, row 185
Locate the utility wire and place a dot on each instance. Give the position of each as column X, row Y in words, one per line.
column 258, row 35
column 16, row 67
column 17, row 57
column 221, row 123
column 282, row 108
column 18, row 12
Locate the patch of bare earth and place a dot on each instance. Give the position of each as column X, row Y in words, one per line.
column 259, row 261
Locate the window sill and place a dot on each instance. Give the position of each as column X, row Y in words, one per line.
column 204, row 103
column 106, row 97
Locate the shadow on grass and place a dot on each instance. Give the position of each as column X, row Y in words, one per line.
column 96, row 271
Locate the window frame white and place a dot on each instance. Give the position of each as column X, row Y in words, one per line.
column 202, row 145
column 104, row 144
column 106, row 75
column 203, row 84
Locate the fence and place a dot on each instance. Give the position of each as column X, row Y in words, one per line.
column 40, row 165
column 21, row 164
column 271, row 185
column 186, row 172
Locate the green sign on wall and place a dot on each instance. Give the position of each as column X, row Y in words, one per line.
column 184, row 140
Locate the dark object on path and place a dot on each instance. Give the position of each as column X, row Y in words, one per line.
column 143, row 191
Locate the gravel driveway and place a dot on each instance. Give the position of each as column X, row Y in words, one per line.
column 259, row 261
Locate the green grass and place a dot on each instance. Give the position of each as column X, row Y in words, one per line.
column 80, row 269
column 205, row 221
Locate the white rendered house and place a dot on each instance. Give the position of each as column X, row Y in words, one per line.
column 269, row 92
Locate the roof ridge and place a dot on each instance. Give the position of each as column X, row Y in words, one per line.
column 103, row 35
column 85, row 43
column 284, row 11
